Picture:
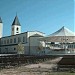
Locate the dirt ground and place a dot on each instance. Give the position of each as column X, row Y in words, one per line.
column 44, row 68
column 32, row 69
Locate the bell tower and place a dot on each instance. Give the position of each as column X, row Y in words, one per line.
column 1, row 27
column 16, row 27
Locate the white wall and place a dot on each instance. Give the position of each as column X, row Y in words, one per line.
column 11, row 45
column 34, row 44
column 30, row 44
column 1, row 29
column 32, row 33
column 14, row 31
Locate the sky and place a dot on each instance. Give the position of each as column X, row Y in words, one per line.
column 46, row 16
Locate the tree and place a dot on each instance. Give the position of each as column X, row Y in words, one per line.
column 20, row 48
column 40, row 47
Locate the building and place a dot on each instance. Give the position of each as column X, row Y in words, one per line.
column 35, row 42
column 29, row 39
column 60, row 42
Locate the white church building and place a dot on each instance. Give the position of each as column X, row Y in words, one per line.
column 35, row 42
column 29, row 39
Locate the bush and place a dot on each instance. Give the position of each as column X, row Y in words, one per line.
column 72, row 70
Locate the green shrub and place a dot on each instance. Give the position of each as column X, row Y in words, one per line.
column 72, row 70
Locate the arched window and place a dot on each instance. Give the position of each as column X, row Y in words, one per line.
column 17, row 28
column 14, row 40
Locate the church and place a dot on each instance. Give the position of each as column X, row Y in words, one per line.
column 35, row 42
column 29, row 39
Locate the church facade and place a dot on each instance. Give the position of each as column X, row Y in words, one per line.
column 35, row 42
column 29, row 39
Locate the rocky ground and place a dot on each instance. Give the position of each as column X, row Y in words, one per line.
column 32, row 69
column 48, row 67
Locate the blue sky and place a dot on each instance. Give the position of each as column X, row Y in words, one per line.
column 43, row 15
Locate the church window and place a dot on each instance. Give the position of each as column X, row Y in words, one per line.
column 10, row 40
column 17, row 29
column 4, row 41
column 14, row 40
column 14, row 48
column 70, row 46
column 19, row 39
column 23, row 39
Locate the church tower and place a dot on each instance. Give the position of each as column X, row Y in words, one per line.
column 1, row 28
column 16, row 27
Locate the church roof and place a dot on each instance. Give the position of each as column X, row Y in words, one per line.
column 0, row 20
column 16, row 21
column 61, row 35
column 63, row 32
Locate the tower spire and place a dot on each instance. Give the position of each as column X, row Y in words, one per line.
column 16, row 21
column 16, row 27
